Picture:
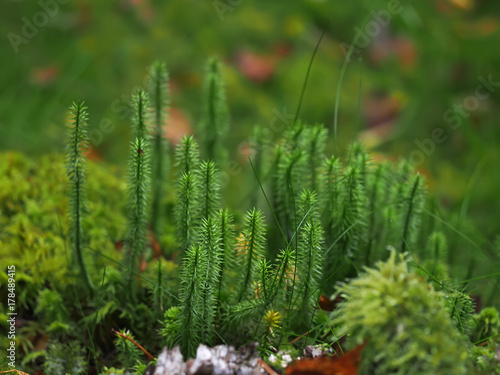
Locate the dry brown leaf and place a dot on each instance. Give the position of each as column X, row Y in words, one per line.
column 327, row 304
column 348, row 364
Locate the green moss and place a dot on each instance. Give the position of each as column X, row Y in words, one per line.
column 34, row 226
column 403, row 320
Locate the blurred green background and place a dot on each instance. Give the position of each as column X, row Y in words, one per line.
column 417, row 62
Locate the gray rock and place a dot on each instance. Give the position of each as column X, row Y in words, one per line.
column 170, row 362
column 219, row 360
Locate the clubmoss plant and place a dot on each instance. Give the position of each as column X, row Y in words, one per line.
column 160, row 99
column 244, row 278
column 187, row 211
column 251, row 250
column 330, row 208
column 414, row 198
column 259, row 144
column 187, row 156
column 215, row 122
column 139, row 189
column 193, row 279
column 141, row 127
column 289, row 183
column 76, row 146
column 227, row 249
column 351, row 222
column 375, row 189
column 315, row 145
column 436, row 254
column 210, row 242
column 158, row 297
column 437, row 247
column 309, row 262
column 128, row 353
column 282, row 282
column 208, row 177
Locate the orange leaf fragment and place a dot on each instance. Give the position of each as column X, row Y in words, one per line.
column 348, row 364
column 327, row 304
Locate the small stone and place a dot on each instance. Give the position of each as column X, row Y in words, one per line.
column 170, row 362
column 219, row 360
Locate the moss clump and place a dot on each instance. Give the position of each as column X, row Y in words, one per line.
column 34, row 229
column 403, row 320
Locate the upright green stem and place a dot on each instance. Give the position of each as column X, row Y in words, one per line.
column 77, row 145
column 160, row 99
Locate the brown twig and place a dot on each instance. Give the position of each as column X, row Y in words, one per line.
column 266, row 367
column 149, row 356
column 299, row 337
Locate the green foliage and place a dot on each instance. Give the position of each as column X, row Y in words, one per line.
column 310, row 265
column 139, row 188
column 290, row 171
column 487, row 325
column 351, row 221
column 402, row 320
column 486, row 331
column 192, row 293
column 171, row 326
column 65, row 359
column 215, row 122
column 227, row 250
column 187, row 210
column 187, row 156
column 33, row 238
column 251, row 251
column 260, row 145
column 330, row 208
column 141, row 127
column 160, row 98
column 309, row 259
column 51, row 306
column 308, row 210
column 210, row 244
column 161, row 275
column 375, row 191
column 112, row 371
column 315, row 144
column 437, row 247
column 208, row 177
column 128, row 353
column 461, row 307
column 414, row 199
column 77, row 144
column 234, row 284
column 139, row 368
